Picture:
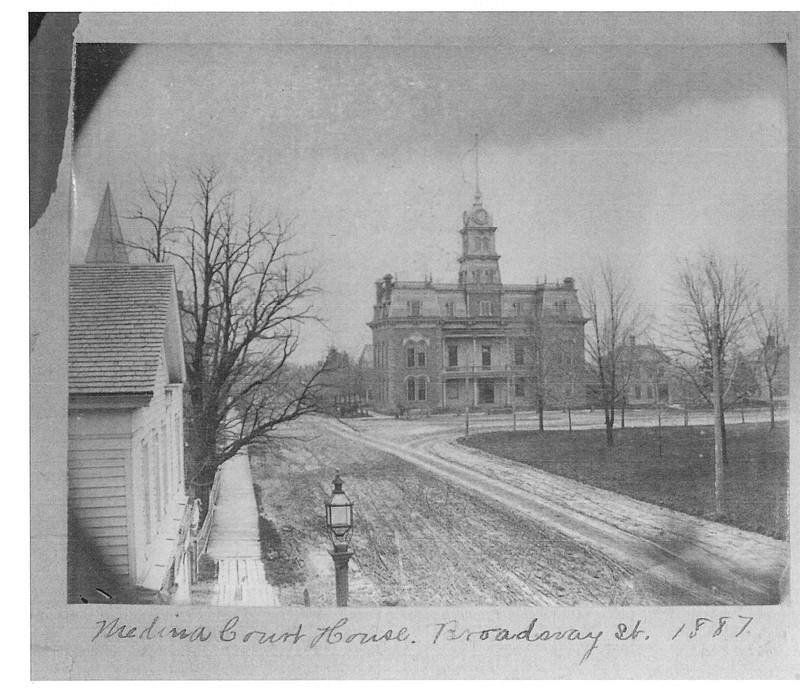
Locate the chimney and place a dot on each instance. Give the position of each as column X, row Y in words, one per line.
column 387, row 287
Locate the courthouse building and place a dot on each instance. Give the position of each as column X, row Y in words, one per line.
column 478, row 342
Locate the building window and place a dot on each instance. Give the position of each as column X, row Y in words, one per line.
column 486, row 392
column 519, row 388
column 485, row 244
column 485, row 308
column 519, row 354
column 148, row 493
column 449, row 308
column 168, row 480
column 416, row 355
column 177, row 436
column 476, row 276
column 413, row 307
column 452, row 390
column 490, row 275
column 637, row 391
column 416, row 389
column 452, row 356
column 486, row 356
column 516, row 309
column 159, row 479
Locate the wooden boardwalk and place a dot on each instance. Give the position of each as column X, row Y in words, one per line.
column 234, row 540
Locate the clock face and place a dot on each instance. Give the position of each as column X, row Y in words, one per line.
column 481, row 217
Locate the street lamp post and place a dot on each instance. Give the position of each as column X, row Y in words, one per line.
column 339, row 519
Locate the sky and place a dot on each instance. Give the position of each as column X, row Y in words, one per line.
column 642, row 155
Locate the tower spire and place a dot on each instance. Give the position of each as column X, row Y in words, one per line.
column 107, row 245
column 477, row 172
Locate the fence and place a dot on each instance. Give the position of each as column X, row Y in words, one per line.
column 201, row 541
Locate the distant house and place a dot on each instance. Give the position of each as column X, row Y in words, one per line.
column 646, row 374
column 774, row 359
column 128, row 507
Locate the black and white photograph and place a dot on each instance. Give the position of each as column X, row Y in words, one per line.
column 482, row 324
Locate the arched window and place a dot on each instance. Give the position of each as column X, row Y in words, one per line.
column 416, row 354
column 411, row 389
column 422, row 389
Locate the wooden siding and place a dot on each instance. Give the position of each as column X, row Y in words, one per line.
column 97, row 469
column 158, row 488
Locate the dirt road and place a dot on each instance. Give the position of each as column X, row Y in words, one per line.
column 440, row 524
column 699, row 561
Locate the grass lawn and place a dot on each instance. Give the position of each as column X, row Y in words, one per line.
column 681, row 478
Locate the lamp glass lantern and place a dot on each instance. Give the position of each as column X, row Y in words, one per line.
column 339, row 513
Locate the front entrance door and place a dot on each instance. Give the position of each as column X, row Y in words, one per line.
column 485, row 392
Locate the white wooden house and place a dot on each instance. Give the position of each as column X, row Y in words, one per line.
column 127, row 497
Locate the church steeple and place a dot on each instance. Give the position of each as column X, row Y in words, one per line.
column 107, row 245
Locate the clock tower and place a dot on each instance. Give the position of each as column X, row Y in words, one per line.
column 479, row 262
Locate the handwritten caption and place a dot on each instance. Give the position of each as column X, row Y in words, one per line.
column 445, row 633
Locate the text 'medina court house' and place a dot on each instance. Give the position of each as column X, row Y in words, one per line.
column 478, row 342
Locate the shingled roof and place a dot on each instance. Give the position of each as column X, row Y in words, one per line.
column 120, row 315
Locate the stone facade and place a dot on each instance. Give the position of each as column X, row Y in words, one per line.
column 476, row 343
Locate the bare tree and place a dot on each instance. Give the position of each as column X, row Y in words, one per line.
column 241, row 305
column 608, row 304
column 543, row 362
column 160, row 196
column 770, row 329
column 710, row 323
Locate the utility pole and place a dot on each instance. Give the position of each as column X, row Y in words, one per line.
column 719, row 442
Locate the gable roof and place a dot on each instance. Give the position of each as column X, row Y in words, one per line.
column 120, row 316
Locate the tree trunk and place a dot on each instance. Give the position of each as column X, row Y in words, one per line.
column 608, row 410
column 719, row 421
column 771, row 409
column 540, row 406
column 622, row 419
column 660, row 436
column 569, row 417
